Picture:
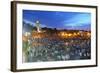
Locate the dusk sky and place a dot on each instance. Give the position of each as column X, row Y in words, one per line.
column 58, row 19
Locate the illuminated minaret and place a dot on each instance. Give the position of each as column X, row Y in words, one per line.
column 37, row 24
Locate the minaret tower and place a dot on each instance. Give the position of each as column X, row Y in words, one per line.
column 37, row 24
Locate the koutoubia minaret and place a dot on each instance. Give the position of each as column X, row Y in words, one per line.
column 37, row 24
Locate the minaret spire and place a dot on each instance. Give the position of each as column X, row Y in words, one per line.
column 37, row 24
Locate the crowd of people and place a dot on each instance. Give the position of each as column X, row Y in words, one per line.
column 44, row 49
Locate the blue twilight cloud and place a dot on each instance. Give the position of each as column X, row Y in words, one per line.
column 79, row 20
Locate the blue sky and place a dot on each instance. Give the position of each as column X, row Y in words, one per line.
column 58, row 19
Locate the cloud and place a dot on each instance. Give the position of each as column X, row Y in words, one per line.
column 33, row 24
column 43, row 25
column 27, row 21
column 78, row 20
